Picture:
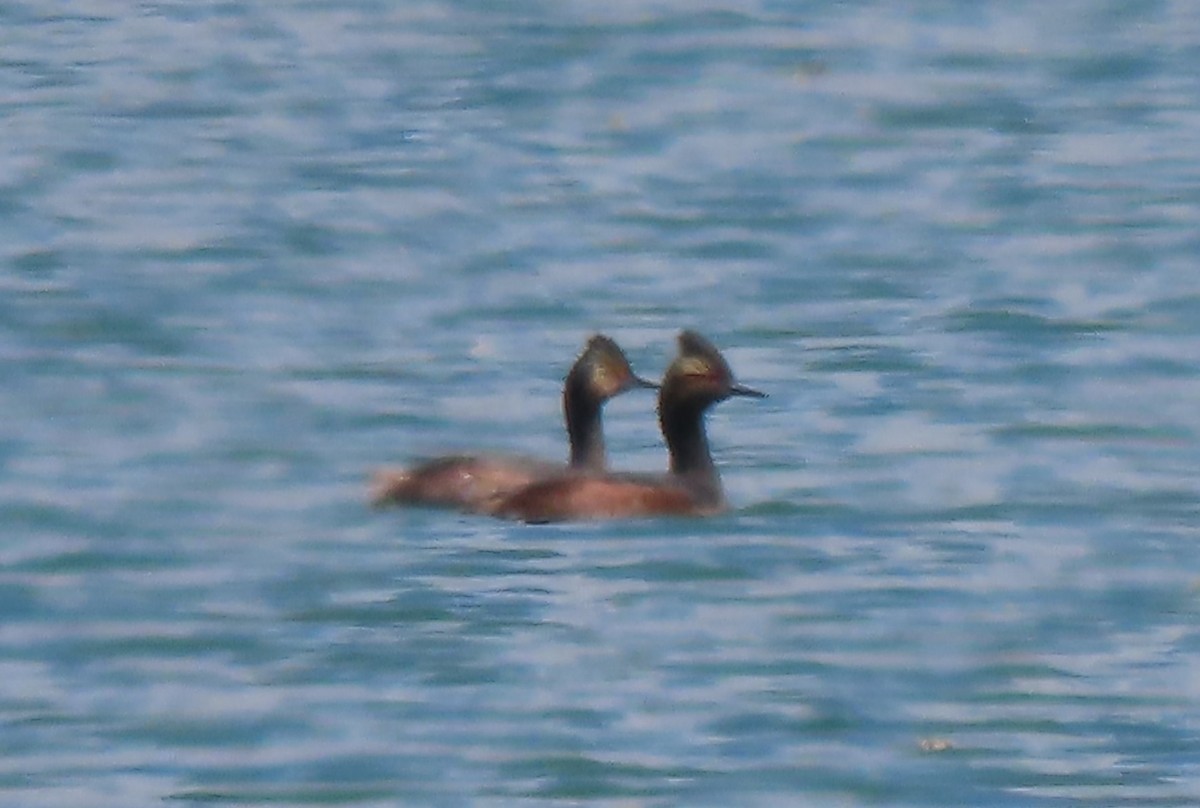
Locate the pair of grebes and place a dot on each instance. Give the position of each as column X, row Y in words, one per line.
column 531, row 490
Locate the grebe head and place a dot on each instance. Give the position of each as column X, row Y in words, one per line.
column 604, row 370
column 700, row 376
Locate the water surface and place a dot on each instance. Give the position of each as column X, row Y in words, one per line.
column 251, row 252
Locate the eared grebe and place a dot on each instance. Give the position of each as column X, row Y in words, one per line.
column 468, row 482
column 698, row 378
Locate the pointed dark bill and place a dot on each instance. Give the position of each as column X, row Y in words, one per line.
column 743, row 390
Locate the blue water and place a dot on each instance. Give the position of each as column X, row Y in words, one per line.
column 250, row 251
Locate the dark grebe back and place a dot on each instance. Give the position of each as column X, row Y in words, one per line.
column 467, row 482
column 698, row 378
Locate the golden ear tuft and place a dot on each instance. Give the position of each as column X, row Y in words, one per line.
column 601, row 374
column 693, row 366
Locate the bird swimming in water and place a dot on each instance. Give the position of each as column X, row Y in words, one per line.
column 468, row 482
column 697, row 379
